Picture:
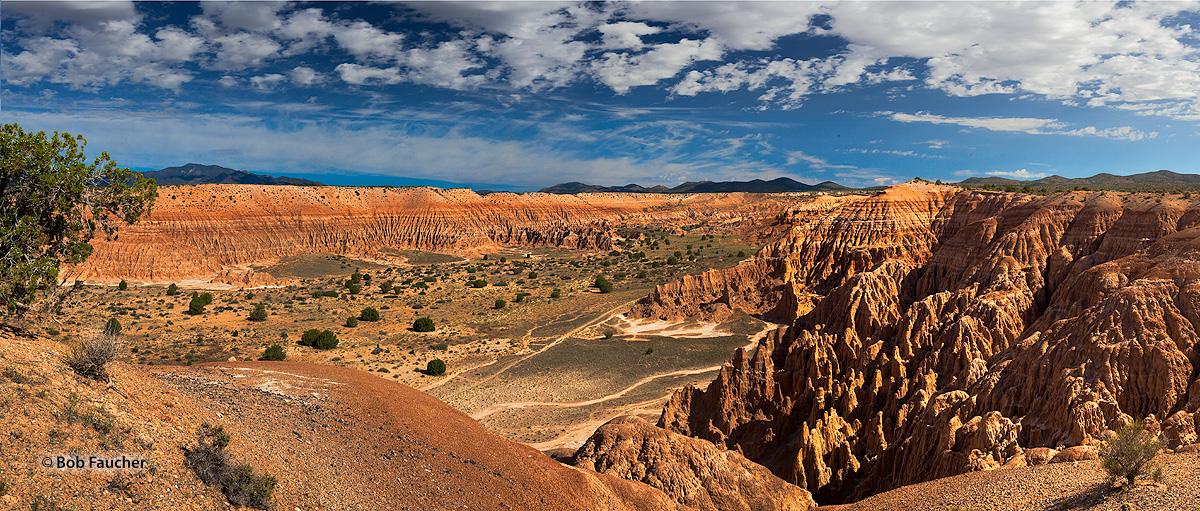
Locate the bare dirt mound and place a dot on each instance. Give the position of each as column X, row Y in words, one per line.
column 335, row 438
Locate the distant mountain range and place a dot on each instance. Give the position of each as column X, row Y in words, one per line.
column 195, row 174
column 1162, row 180
column 782, row 184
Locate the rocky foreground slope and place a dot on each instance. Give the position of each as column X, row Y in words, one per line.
column 335, row 438
column 935, row 331
column 215, row 231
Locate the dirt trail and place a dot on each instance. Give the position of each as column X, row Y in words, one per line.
column 523, row 404
column 602, row 318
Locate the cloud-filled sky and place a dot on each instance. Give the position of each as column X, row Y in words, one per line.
column 521, row 95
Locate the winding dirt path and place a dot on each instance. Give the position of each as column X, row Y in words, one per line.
column 602, row 318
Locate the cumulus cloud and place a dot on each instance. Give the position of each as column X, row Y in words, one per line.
column 268, row 81
column 305, row 76
column 621, row 71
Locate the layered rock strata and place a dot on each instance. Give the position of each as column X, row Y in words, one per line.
column 952, row 330
column 205, row 231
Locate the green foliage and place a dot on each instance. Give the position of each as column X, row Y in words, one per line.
column 354, row 288
column 172, row 289
column 1127, row 454
column 330, row 294
column 52, row 203
column 556, row 293
column 309, row 337
column 650, row 350
column 274, row 352
column 259, row 313
column 351, row 322
column 672, row 260
column 741, row 253
column 369, row 314
column 249, row 296
column 436, row 367
column 479, row 283
column 533, row 275
column 327, row 340
column 123, row 285
column 520, row 297
column 603, row 284
column 215, row 466
column 196, row 306
column 112, row 327
column 499, row 304
column 504, row 259
column 608, row 333
column 424, row 324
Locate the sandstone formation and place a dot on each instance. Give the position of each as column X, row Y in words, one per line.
column 691, row 471
column 950, row 331
column 201, row 232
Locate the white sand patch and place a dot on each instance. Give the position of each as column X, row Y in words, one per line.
column 689, row 329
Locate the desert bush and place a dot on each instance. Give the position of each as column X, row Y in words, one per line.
column 556, row 293
column 309, row 337
column 351, row 322
column 369, row 314
column 91, row 355
column 354, row 289
column 533, row 275
column 436, row 367
column 274, row 352
column 603, row 284
column 672, row 260
column 424, row 324
column 1127, row 454
column 112, row 327
column 330, row 294
column 123, row 285
column 608, row 334
column 259, row 313
column 499, row 304
column 479, row 283
column 172, row 289
column 209, row 460
column 327, row 340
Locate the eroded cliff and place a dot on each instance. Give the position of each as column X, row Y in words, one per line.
column 215, row 231
column 949, row 331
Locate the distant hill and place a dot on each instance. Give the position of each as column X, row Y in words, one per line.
column 195, row 174
column 777, row 185
column 1162, row 180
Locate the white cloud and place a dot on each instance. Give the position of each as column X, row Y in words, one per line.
column 621, row 71
column 737, row 25
column 364, row 40
column 1018, row 174
column 361, row 75
column 243, row 49
column 305, row 76
column 794, row 157
column 268, row 81
column 1031, row 125
column 936, row 143
column 228, row 81
column 625, row 35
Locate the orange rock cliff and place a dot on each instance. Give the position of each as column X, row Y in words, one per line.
column 213, row 232
column 934, row 331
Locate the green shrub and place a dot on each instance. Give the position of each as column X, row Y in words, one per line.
column 556, row 293
column 608, row 333
column 369, row 314
column 274, row 352
column 650, row 350
column 123, row 285
column 351, row 322
column 436, row 367
column 672, row 260
column 479, row 283
column 196, row 306
column 603, row 284
column 499, row 304
column 327, row 340
column 424, row 324
column 112, row 327
column 741, row 253
column 354, row 289
column 172, row 289
column 1127, row 454
column 533, row 275
column 520, row 297
column 259, row 313
column 310, row 337
column 209, row 460
column 330, row 294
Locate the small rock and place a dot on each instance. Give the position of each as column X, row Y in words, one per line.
column 1039, row 455
column 1077, row 453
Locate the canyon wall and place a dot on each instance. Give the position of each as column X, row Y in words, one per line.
column 215, row 231
column 948, row 330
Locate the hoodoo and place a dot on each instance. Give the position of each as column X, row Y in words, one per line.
column 936, row 331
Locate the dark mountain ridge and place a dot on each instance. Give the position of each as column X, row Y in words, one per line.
column 776, row 185
column 195, row 174
column 1162, row 180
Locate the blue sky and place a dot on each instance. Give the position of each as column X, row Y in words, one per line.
column 521, row 95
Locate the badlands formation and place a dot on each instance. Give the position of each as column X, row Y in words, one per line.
column 933, row 331
column 215, row 232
